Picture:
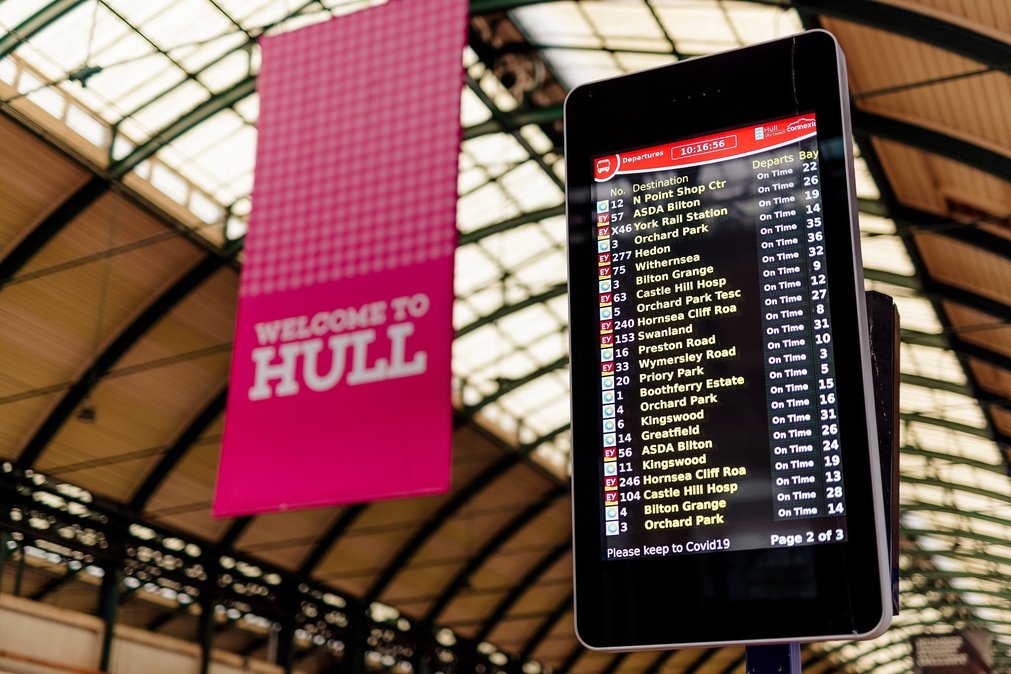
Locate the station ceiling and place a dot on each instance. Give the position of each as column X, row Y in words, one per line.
column 127, row 134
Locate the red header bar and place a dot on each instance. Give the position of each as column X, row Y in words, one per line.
column 706, row 149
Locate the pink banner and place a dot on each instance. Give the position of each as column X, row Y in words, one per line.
column 340, row 383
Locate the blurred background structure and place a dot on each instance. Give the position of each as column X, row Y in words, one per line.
column 127, row 136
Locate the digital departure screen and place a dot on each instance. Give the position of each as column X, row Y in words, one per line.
column 726, row 484
column 720, row 426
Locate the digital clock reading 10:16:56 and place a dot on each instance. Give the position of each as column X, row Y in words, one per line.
column 692, row 149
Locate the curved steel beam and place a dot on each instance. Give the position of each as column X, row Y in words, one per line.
column 893, row 206
column 891, row 278
column 658, row 664
column 55, row 583
column 930, row 382
column 938, row 508
column 510, row 223
column 908, row 219
column 615, row 663
column 933, row 141
column 516, row 119
column 505, row 122
column 35, row 23
column 733, row 664
column 953, row 459
column 970, row 535
column 511, row 528
column 957, row 486
column 450, row 506
column 124, row 341
column 937, row 291
column 916, row 417
column 936, row 574
column 202, row 112
column 967, row 298
column 981, row 353
column 488, row 6
column 908, row 629
column 327, row 540
column 234, row 530
column 529, row 579
column 570, row 660
column 884, row 16
column 506, row 310
column 174, row 454
column 513, row 384
column 57, row 219
column 542, row 631
column 503, row 119
column 163, row 619
column 353, row 512
column 915, row 25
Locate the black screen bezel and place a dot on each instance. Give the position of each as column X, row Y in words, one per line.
column 697, row 599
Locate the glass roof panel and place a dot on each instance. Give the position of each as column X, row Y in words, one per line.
column 140, row 13
column 13, row 14
column 62, row 46
column 631, row 61
column 225, row 72
column 887, row 253
column 485, row 205
column 557, row 24
column 530, row 187
column 194, row 57
column 130, row 84
column 697, row 26
column 866, row 187
column 198, row 20
column 179, row 100
column 931, row 362
column 472, row 110
column 575, row 67
column 249, row 107
column 754, row 22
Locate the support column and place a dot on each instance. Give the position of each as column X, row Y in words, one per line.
column 358, row 638
column 774, row 659
column 205, row 632
column 4, row 537
column 108, row 610
column 286, row 645
column 424, row 660
column 282, row 646
column 466, row 656
column 19, row 571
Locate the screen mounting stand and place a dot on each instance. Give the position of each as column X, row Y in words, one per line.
column 772, row 659
column 884, row 339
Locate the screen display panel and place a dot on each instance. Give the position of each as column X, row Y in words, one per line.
column 724, row 468
column 714, row 322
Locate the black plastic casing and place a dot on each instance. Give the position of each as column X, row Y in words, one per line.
column 803, row 593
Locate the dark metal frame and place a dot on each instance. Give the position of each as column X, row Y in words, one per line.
column 525, row 584
column 511, row 528
column 175, row 453
column 35, row 23
column 544, row 629
column 35, row 240
column 127, row 338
